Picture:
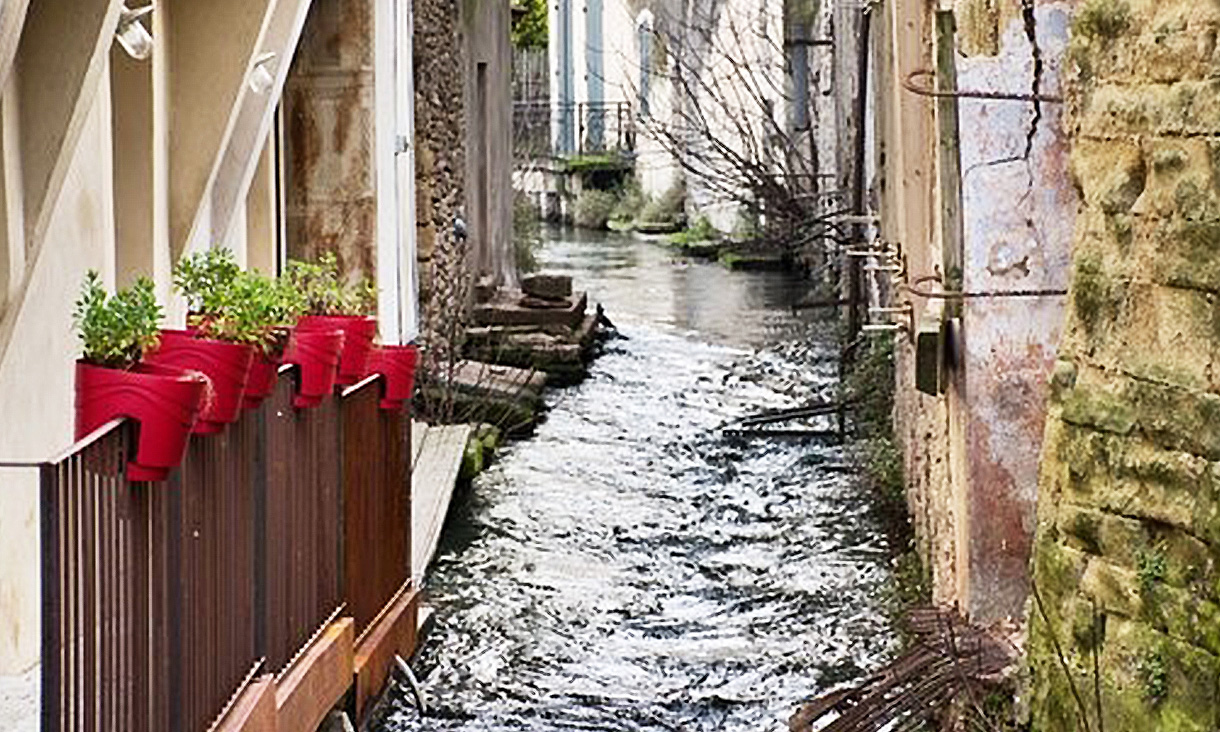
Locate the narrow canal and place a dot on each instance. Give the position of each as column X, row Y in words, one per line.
column 631, row 568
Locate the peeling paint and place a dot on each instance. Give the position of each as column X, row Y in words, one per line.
column 1018, row 209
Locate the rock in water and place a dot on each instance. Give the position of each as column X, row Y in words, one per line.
column 547, row 286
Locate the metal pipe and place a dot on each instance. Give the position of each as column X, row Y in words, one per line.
column 854, row 274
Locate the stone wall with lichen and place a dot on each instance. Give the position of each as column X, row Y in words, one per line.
column 440, row 165
column 1125, row 616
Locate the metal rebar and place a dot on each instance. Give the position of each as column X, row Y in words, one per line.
column 909, row 84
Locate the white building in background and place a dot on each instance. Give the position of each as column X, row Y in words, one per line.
column 696, row 75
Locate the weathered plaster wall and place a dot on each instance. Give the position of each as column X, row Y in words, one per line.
column 971, row 452
column 330, row 166
column 1017, row 209
column 1128, row 535
column 36, row 395
column 488, row 130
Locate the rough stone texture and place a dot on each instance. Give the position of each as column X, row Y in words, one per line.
column 547, row 286
column 1128, row 536
column 440, row 174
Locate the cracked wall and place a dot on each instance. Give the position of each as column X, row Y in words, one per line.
column 971, row 452
column 1017, row 213
column 1125, row 629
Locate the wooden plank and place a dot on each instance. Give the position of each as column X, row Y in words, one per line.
column 419, row 432
column 394, row 632
column 433, row 478
column 318, row 679
column 950, row 163
column 254, row 710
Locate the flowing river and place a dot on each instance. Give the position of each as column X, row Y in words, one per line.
column 630, row 567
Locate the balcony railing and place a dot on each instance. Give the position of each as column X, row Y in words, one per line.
column 542, row 129
column 161, row 600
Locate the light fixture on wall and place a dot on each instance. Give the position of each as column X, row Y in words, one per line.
column 131, row 33
column 261, row 78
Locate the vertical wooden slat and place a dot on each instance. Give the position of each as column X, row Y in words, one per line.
column 375, row 504
column 158, row 598
column 52, row 596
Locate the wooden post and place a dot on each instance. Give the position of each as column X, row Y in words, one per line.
column 950, row 157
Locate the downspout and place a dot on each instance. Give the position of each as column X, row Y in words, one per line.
column 855, row 284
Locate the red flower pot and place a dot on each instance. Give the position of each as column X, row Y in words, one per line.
column 227, row 366
column 358, row 333
column 396, row 364
column 317, row 353
column 165, row 401
column 261, row 381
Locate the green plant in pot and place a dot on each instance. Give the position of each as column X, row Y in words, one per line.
column 222, row 335
column 274, row 307
column 112, row 381
column 331, row 304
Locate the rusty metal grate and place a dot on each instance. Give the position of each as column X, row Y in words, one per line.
column 951, row 660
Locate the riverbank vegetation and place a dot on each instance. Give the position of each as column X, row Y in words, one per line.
column 868, row 384
column 527, row 233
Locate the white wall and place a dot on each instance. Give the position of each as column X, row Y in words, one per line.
column 36, row 393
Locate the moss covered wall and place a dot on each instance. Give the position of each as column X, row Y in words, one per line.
column 1125, row 622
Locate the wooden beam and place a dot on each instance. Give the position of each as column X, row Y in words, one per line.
column 318, row 679
column 394, row 632
column 254, row 710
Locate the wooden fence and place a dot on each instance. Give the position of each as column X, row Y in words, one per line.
column 161, row 600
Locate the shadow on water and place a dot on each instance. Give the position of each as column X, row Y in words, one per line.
column 628, row 568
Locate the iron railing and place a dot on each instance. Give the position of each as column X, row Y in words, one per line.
column 542, row 129
column 161, row 600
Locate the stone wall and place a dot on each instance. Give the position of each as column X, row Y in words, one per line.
column 440, row 170
column 1125, row 622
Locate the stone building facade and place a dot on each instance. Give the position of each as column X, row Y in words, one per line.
column 1126, row 624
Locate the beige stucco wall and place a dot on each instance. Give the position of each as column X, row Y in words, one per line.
column 36, row 396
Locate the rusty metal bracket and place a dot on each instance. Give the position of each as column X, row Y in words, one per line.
column 924, row 91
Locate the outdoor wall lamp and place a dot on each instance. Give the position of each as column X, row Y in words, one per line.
column 131, row 33
column 261, row 78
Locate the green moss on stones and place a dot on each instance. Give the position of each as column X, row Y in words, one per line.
column 1154, row 675
column 1085, row 527
column 1098, row 410
column 1104, row 20
column 1150, row 567
column 1091, row 291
